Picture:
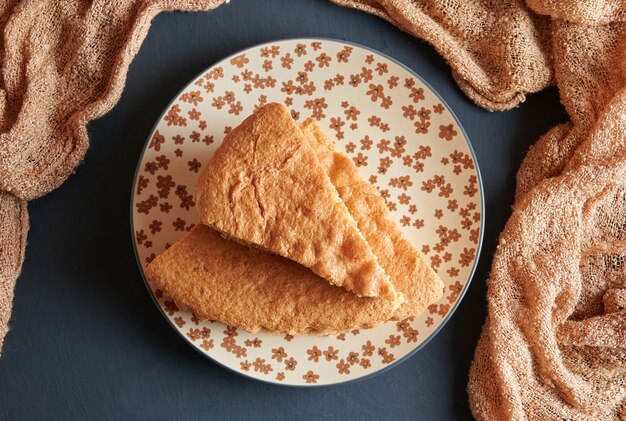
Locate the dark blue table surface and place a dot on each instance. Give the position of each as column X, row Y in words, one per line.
column 87, row 342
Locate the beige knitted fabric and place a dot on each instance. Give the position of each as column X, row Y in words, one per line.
column 13, row 229
column 63, row 64
column 554, row 343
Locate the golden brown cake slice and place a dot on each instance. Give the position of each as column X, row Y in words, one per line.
column 222, row 280
column 265, row 187
column 409, row 272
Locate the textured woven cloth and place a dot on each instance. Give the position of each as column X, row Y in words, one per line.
column 63, row 64
column 554, row 343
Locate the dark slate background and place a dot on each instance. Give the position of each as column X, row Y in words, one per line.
column 87, row 341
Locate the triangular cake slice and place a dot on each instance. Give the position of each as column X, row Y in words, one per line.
column 221, row 280
column 409, row 272
column 265, row 187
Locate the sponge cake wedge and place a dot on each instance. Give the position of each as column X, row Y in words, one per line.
column 222, row 280
column 265, row 187
column 409, row 272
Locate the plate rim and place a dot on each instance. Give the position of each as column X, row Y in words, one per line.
column 452, row 310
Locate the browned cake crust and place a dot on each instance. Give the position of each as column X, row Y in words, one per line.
column 265, row 186
column 408, row 270
column 222, row 280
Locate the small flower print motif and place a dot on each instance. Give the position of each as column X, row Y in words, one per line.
column 165, row 207
column 300, row 50
column 366, row 74
column 402, row 325
column 375, row 92
column 336, row 123
column 455, row 289
column 279, row 354
column 286, row 61
column 314, row 354
column 290, row 364
column 194, row 165
column 343, row 56
column 155, row 226
column 323, row 60
column 142, row 183
column 343, row 367
column 194, row 114
column 311, row 377
column 207, row 344
column 423, row 114
column 331, row 353
column 170, row 307
column 421, row 127
column 156, row 141
column 453, row 272
column 474, row 236
column 392, row 82
column 409, row 111
column 417, row 94
column 352, row 113
column 140, row 236
column 368, row 349
column 354, row 80
column 411, row 335
column 366, row 143
column 353, row 358
column 239, row 61
column 360, row 160
column 467, row 257
column 447, row 132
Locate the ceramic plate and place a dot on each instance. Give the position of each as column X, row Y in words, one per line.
column 400, row 134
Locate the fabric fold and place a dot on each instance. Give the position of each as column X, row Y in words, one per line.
column 14, row 227
column 63, row 65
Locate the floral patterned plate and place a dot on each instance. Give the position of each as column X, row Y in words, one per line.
column 400, row 134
